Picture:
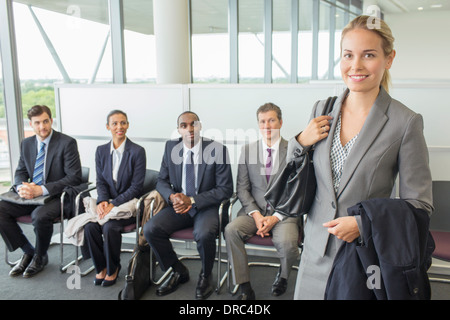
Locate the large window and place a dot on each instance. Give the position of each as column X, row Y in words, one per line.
column 139, row 41
column 210, row 41
column 308, row 50
column 70, row 41
column 62, row 44
column 5, row 172
column 281, row 41
column 324, row 40
column 305, row 41
column 251, row 41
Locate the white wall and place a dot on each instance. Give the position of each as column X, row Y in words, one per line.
column 227, row 111
column 422, row 42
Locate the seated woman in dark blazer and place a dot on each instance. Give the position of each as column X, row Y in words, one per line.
column 120, row 166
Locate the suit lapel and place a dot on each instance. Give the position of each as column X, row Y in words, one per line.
column 323, row 163
column 123, row 164
column 179, row 168
column 202, row 162
column 51, row 151
column 261, row 166
column 282, row 152
column 109, row 164
column 30, row 160
column 374, row 123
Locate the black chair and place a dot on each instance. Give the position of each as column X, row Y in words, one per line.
column 186, row 236
column 67, row 199
column 150, row 180
column 440, row 223
column 257, row 241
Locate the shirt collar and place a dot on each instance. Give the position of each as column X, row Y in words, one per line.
column 274, row 146
column 120, row 149
column 46, row 140
column 195, row 149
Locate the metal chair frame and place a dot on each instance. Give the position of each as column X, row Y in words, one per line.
column 440, row 221
column 60, row 220
column 150, row 178
column 247, row 244
column 220, row 280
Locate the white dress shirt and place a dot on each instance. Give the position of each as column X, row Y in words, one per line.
column 117, row 155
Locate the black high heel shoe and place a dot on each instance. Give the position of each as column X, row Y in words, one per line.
column 98, row 281
column 108, row 283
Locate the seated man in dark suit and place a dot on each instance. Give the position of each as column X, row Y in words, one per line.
column 48, row 163
column 260, row 163
column 195, row 177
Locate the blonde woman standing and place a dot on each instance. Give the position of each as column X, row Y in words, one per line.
column 371, row 139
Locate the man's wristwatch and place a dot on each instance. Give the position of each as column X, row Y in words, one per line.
column 192, row 200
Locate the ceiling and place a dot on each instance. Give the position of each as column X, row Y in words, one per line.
column 211, row 16
column 409, row 6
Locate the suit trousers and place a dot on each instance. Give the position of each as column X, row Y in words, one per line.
column 43, row 218
column 158, row 229
column 104, row 243
column 284, row 237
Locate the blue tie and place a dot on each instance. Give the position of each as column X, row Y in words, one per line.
column 38, row 175
column 190, row 175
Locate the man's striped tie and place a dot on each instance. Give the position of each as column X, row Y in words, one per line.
column 38, row 175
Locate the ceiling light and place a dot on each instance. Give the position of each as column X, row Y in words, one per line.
column 436, row 5
column 420, row 8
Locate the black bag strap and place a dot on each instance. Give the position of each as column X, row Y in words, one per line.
column 329, row 105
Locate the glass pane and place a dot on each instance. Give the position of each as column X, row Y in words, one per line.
column 340, row 24
column 324, row 40
column 251, row 41
column 281, row 41
column 58, row 42
column 77, row 34
column 5, row 171
column 304, row 40
column 139, row 39
column 210, row 41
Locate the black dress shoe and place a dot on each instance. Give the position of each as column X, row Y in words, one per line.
column 247, row 295
column 20, row 267
column 204, row 287
column 37, row 265
column 279, row 286
column 171, row 284
column 108, row 283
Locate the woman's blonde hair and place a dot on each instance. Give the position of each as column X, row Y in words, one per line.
column 382, row 29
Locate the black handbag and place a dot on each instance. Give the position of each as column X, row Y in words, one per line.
column 293, row 191
column 137, row 279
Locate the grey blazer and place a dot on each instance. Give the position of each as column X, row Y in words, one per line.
column 251, row 181
column 390, row 143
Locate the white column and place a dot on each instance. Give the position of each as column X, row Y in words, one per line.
column 170, row 20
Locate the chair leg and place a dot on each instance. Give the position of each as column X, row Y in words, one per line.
column 10, row 263
column 441, row 280
column 220, row 279
column 63, row 268
column 153, row 264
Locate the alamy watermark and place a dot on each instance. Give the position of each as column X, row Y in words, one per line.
column 373, row 277
column 374, row 13
column 74, row 280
